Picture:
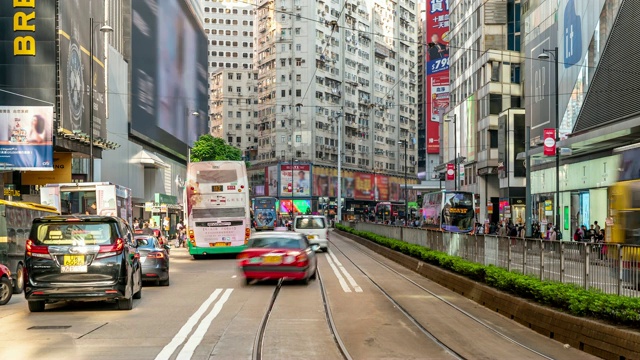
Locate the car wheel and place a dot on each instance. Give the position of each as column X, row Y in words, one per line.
column 164, row 282
column 36, row 306
column 197, row 257
column 125, row 304
column 18, row 287
column 315, row 274
column 305, row 281
column 6, row 290
column 325, row 249
column 247, row 281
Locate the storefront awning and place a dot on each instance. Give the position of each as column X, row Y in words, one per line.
column 150, row 160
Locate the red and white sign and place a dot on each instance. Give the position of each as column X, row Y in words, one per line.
column 549, row 142
column 451, row 172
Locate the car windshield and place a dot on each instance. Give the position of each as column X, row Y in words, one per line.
column 310, row 223
column 73, row 234
column 276, row 242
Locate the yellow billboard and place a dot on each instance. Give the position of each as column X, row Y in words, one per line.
column 61, row 172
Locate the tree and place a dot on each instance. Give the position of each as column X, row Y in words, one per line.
column 208, row 148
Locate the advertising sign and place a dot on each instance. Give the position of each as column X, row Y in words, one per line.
column 271, row 179
column 320, row 181
column 28, row 48
column 169, row 74
column 451, row 172
column 382, row 184
column 61, row 172
column 364, row 189
column 295, row 178
column 76, row 56
column 437, row 80
column 26, row 140
column 549, row 142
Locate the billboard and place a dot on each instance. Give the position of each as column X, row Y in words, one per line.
column 271, row 179
column 295, row 178
column 76, row 57
column 169, row 78
column 26, row 140
column 437, row 78
column 364, row 187
column 28, row 48
column 61, row 172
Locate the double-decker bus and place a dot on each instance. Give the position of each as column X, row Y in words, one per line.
column 217, row 207
column 264, row 212
column 448, row 210
column 15, row 225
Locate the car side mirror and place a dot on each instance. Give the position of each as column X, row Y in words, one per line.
column 315, row 247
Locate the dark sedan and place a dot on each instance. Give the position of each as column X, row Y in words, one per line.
column 154, row 258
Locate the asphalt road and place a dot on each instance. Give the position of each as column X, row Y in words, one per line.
column 207, row 313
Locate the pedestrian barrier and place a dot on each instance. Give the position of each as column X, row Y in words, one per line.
column 612, row 268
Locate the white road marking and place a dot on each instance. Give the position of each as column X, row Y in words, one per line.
column 343, row 283
column 234, row 276
column 181, row 336
column 196, row 338
column 346, row 273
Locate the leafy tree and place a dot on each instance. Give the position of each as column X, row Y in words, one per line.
column 208, row 148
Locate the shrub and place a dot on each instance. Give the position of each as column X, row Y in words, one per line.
column 566, row 297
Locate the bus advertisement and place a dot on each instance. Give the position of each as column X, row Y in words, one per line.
column 217, row 207
column 15, row 226
column 451, row 211
column 264, row 212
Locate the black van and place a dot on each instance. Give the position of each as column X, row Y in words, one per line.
column 81, row 258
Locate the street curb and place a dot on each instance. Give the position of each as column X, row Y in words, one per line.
column 593, row 337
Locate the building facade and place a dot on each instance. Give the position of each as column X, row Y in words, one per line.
column 338, row 79
column 597, row 105
column 485, row 61
column 233, row 107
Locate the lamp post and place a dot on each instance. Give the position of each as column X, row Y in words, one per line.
column 406, row 191
column 455, row 149
column 103, row 29
column 546, row 53
column 339, row 194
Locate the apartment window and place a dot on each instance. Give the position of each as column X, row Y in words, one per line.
column 298, row 138
column 297, row 31
column 230, row 114
column 230, row 139
column 238, row 114
column 493, row 139
column 238, row 139
column 239, row 76
column 298, row 92
column 230, row 88
column 248, row 127
column 515, row 73
column 495, row 104
column 298, row 47
column 238, row 89
column 495, row 70
column 298, row 77
column 298, row 61
column 283, row 93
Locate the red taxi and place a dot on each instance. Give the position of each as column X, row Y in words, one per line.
column 278, row 255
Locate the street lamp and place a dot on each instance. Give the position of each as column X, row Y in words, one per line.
column 546, row 53
column 104, row 29
column 406, row 191
column 339, row 200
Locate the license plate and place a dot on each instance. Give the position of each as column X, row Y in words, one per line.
column 73, row 269
column 272, row 260
column 219, row 244
column 312, row 237
column 73, row 260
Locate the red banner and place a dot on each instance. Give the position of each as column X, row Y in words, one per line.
column 437, row 67
column 549, row 142
column 363, row 189
column 451, row 172
column 382, row 186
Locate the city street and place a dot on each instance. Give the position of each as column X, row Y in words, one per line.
column 208, row 312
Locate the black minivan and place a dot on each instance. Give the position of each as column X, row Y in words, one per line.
column 81, row 258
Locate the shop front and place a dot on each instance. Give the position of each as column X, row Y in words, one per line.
column 162, row 207
column 512, row 209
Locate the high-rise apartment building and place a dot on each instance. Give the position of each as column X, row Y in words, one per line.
column 327, row 68
column 234, row 108
column 484, row 64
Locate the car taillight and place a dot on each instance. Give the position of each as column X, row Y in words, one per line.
column 302, row 259
column 111, row 250
column 39, row 251
column 247, row 235
column 155, row 255
column 192, row 238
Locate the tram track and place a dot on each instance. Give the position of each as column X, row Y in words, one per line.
column 415, row 321
column 258, row 345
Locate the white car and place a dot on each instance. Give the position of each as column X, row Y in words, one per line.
column 316, row 227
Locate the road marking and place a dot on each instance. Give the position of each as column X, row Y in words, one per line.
column 343, row 283
column 346, row 273
column 196, row 338
column 181, row 336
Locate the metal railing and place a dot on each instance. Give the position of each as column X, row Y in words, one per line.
column 612, row 268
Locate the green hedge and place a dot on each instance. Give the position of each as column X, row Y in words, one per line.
column 566, row 297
